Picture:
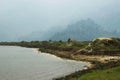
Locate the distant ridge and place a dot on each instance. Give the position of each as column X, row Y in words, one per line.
column 83, row 30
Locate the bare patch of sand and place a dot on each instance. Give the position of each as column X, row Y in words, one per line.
column 103, row 59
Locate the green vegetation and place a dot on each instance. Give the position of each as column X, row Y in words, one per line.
column 101, row 71
column 106, row 44
column 108, row 74
column 99, row 46
column 52, row 45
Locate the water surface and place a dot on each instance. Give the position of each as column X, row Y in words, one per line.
column 18, row 63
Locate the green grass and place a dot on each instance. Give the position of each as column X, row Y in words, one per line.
column 107, row 74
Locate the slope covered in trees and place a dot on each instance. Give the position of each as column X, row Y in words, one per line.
column 83, row 30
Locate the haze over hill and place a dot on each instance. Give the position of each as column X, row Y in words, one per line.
column 43, row 19
column 84, row 30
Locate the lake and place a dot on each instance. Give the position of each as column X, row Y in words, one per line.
column 19, row 63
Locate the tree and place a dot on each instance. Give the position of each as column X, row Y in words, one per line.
column 69, row 40
column 60, row 41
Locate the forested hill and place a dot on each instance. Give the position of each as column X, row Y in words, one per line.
column 83, row 30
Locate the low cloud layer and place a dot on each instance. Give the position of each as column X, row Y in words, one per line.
column 22, row 17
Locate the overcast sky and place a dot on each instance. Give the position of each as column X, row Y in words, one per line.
column 21, row 17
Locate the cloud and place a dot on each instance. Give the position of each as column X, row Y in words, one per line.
column 27, row 16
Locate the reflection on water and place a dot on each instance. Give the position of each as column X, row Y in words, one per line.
column 17, row 63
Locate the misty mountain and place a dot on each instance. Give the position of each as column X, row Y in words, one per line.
column 83, row 30
column 21, row 21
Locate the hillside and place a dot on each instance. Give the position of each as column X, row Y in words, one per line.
column 102, row 46
column 83, row 30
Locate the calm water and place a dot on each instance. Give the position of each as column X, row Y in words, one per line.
column 17, row 63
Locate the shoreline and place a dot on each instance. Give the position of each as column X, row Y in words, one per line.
column 86, row 68
column 34, row 52
column 95, row 63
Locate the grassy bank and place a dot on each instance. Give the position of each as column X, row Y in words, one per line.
column 100, row 71
column 107, row 74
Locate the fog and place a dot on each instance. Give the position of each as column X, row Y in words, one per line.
column 19, row 18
